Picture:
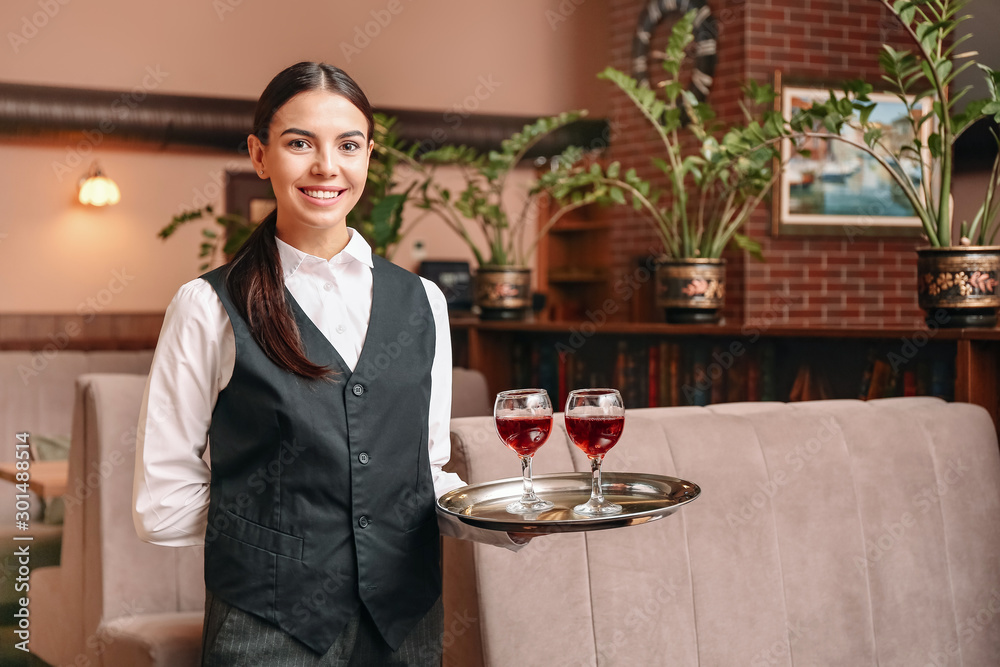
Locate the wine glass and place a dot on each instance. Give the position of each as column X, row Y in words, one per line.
column 594, row 421
column 523, row 419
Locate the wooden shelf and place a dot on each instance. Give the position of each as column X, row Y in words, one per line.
column 731, row 329
column 972, row 355
column 573, row 263
column 572, row 226
column 573, row 275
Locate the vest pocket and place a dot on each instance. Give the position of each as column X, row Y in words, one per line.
column 262, row 537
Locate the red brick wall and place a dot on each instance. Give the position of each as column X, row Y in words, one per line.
column 814, row 280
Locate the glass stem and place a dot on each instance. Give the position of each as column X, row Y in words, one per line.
column 529, row 490
column 596, row 494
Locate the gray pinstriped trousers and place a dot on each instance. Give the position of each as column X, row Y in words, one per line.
column 232, row 637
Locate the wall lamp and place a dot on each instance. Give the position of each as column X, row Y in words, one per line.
column 96, row 189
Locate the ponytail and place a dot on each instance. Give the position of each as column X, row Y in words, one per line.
column 257, row 288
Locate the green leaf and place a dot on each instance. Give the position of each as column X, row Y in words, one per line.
column 748, row 244
column 907, row 12
column 934, row 144
column 872, row 137
column 943, row 69
column 865, row 112
column 617, row 195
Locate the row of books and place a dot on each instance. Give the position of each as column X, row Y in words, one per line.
column 891, row 375
column 698, row 372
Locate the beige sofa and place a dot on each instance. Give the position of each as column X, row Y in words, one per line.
column 827, row 533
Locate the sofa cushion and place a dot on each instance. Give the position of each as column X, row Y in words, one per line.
column 152, row 640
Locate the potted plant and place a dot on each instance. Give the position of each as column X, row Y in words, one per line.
column 378, row 217
column 957, row 283
column 501, row 241
column 712, row 189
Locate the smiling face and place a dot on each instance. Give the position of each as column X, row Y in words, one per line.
column 317, row 160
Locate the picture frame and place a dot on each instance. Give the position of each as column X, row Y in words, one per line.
column 840, row 190
column 248, row 195
column 455, row 280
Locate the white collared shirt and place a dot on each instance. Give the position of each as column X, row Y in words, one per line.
column 194, row 361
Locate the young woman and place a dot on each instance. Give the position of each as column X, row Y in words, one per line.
column 319, row 378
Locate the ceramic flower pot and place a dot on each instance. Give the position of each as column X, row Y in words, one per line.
column 691, row 290
column 957, row 285
column 503, row 292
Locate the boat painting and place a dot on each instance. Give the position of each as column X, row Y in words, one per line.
column 835, row 185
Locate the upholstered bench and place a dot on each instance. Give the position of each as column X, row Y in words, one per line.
column 827, row 533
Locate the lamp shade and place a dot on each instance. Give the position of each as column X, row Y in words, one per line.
column 99, row 190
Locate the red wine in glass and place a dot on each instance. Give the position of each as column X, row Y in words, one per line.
column 595, row 419
column 595, row 435
column 524, row 434
column 523, row 419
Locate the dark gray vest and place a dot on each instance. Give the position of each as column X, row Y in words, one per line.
column 321, row 492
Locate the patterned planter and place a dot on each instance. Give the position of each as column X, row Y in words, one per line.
column 957, row 285
column 503, row 292
column 692, row 291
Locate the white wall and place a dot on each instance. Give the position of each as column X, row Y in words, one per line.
column 539, row 57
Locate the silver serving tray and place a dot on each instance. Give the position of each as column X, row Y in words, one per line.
column 643, row 498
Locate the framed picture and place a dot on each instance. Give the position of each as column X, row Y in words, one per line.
column 840, row 189
column 248, row 195
column 454, row 279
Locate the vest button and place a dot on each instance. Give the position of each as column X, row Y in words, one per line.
column 358, row 390
column 363, row 457
column 363, row 522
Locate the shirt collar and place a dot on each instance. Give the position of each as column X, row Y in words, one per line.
column 356, row 250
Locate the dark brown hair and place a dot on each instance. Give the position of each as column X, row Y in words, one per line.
column 254, row 276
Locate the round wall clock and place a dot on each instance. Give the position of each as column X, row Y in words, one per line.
column 647, row 60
